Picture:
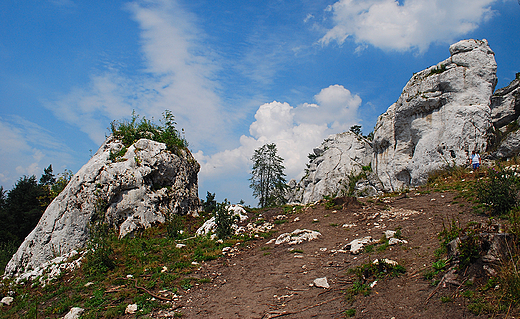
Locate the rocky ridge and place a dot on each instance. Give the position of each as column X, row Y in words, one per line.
column 443, row 114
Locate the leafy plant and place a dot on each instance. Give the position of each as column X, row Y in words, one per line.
column 174, row 225
column 137, row 128
column 356, row 129
column 500, row 192
column 350, row 312
column 117, row 156
column 469, row 248
column 210, row 204
column 224, row 220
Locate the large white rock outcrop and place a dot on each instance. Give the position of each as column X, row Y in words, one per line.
column 136, row 190
column 332, row 164
column 441, row 116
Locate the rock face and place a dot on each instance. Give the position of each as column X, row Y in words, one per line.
column 509, row 147
column 338, row 158
column 505, row 109
column 505, row 104
column 137, row 190
column 441, row 116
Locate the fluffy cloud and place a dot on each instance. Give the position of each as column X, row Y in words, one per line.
column 27, row 149
column 405, row 25
column 178, row 76
column 295, row 131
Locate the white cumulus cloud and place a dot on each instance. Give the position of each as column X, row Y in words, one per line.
column 295, row 131
column 178, row 76
column 405, row 25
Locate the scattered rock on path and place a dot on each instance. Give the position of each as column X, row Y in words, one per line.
column 357, row 245
column 321, row 283
column 296, row 237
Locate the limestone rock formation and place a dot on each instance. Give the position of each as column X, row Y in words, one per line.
column 505, row 110
column 333, row 163
column 509, row 147
column 505, row 104
column 441, row 116
column 136, row 190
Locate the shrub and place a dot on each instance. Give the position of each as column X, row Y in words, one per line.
column 135, row 129
column 438, row 70
column 224, row 220
column 449, row 233
column 499, row 192
column 210, row 204
column 174, row 225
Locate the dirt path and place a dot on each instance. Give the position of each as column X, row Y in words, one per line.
column 264, row 280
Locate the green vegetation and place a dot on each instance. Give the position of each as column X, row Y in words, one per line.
column 368, row 273
column 137, row 128
column 499, row 192
column 224, row 220
column 210, row 204
column 268, row 177
column 494, row 192
column 150, row 260
column 356, row 129
column 438, row 70
column 350, row 312
column 98, row 258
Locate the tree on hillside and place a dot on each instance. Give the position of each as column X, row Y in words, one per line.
column 356, row 129
column 23, row 208
column 268, row 177
column 47, row 176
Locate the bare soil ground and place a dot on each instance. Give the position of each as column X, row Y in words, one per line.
column 260, row 280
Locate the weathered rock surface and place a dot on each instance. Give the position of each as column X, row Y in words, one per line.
column 6, row 301
column 509, row 147
column 441, row 116
column 505, row 104
column 505, row 109
column 334, row 162
column 137, row 190
column 357, row 245
column 321, row 283
column 296, row 237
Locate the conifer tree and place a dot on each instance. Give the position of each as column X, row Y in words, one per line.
column 268, row 177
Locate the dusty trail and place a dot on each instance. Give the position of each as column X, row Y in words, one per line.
column 264, row 280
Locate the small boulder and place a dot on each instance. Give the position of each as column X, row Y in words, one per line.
column 296, row 237
column 131, row 309
column 7, row 301
column 357, row 245
column 321, row 283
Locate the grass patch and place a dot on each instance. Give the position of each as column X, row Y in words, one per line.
column 152, row 260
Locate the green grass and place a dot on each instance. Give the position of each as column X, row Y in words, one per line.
column 145, row 257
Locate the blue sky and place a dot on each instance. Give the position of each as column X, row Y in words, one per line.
column 236, row 74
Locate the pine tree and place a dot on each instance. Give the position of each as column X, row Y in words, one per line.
column 268, row 177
